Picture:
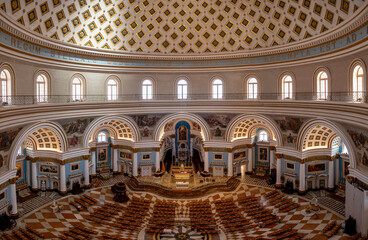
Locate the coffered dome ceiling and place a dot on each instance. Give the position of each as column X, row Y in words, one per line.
column 180, row 26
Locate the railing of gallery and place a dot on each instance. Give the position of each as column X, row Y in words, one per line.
column 359, row 97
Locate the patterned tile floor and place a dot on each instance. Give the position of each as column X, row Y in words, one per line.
column 53, row 224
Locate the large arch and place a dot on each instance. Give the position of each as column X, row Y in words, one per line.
column 201, row 122
column 95, row 125
column 269, row 123
column 25, row 132
column 337, row 128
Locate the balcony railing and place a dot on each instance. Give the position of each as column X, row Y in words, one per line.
column 358, row 97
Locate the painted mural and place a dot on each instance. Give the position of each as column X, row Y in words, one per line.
column 360, row 139
column 6, row 140
column 218, row 124
column 74, row 130
column 289, row 127
column 147, row 124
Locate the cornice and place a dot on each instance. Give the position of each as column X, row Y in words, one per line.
column 308, row 159
column 357, row 21
column 350, row 113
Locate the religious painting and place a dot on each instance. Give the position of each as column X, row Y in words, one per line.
column 360, row 139
column 74, row 130
column 74, row 167
column 146, row 156
column 292, row 124
column 2, row 161
column 102, row 155
column 263, row 154
column 48, row 169
column 7, row 138
column 19, row 167
column 182, row 133
column 125, row 155
column 149, row 121
column 290, row 166
column 217, row 120
column 217, row 156
column 2, row 195
column 316, row 167
column 240, row 155
column 345, row 169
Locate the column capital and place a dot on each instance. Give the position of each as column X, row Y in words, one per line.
column 279, row 155
column 92, row 149
column 272, row 148
column 86, row 157
column 13, row 180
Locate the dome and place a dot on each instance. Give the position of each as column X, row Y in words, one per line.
column 181, row 26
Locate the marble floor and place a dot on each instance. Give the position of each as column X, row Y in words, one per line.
column 54, row 225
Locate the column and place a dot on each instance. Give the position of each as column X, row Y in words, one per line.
column 331, row 176
column 230, row 164
column 302, row 178
column 13, row 199
column 272, row 158
column 135, row 164
column 158, row 161
column 115, row 160
column 206, row 161
column 250, row 160
column 278, row 172
column 29, row 179
column 93, row 161
column 34, row 176
column 86, row 172
column 62, row 179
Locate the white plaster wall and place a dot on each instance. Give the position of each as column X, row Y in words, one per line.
column 199, row 82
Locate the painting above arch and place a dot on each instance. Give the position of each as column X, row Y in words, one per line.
column 360, row 139
column 74, row 129
column 217, row 123
column 147, row 123
column 289, row 127
column 6, row 140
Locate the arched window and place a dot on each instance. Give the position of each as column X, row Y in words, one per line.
column 263, row 136
column 147, row 89
column 322, row 86
column 217, row 89
column 358, row 83
column 101, row 137
column 4, row 85
column 287, row 87
column 41, row 88
column 182, row 89
column 77, row 89
column 20, row 152
column 252, row 88
column 112, row 90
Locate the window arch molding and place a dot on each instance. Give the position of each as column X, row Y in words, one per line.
column 316, row 82
column 212, row 84
column 154, row 85
column 176, row 87
column 10, row 75
column 83, row 87
column 280, row 85
column 247, row 80
column 353, row 65
column 118, row 87
column 47, row 80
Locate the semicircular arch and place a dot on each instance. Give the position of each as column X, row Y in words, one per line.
column 201, row 122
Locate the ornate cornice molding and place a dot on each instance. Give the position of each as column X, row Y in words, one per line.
column 308, row 159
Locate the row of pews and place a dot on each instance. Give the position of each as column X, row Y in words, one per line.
column 24, row 234
column 201, row 216
column 83, row 202
column 130, row 218
column 163, row 216
column 256, row 211
column 95, row 183
column 231, row 217
column 281, row 201
column 285, row 233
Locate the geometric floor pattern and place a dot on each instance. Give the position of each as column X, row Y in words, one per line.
column 54, row 224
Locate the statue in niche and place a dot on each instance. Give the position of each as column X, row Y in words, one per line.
column 182, row 133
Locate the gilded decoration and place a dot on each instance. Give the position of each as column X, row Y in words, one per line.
column 179, row 26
